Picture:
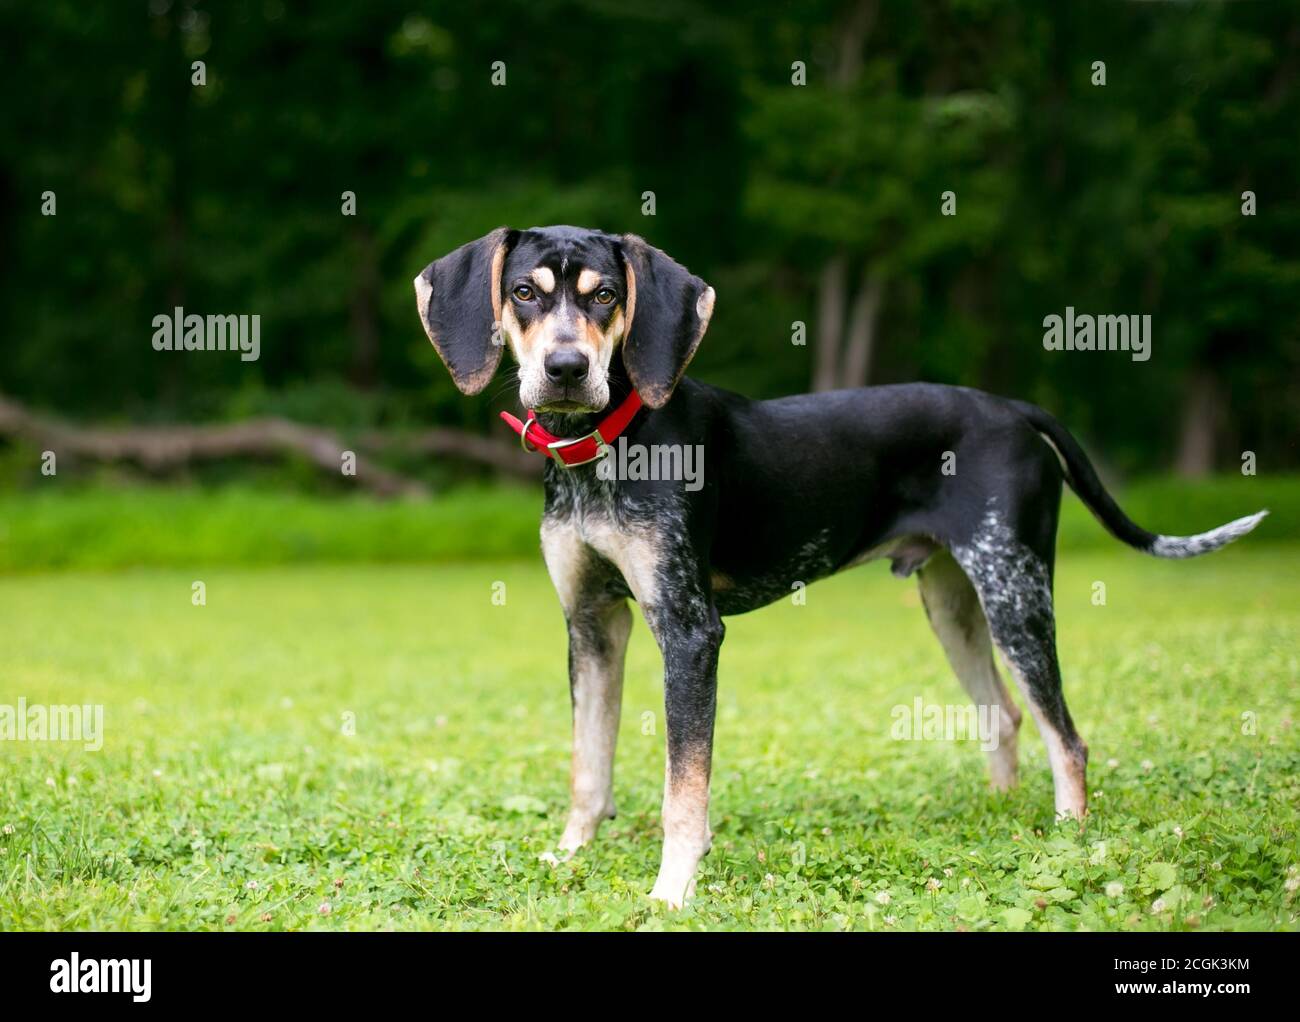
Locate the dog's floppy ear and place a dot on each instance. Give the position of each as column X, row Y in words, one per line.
column 459, row 298
column 668, row 310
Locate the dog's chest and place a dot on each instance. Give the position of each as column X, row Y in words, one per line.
column 590, row 525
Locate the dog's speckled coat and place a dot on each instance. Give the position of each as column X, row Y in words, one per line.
column 797, row 489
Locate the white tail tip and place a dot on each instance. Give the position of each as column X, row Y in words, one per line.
column 1203, row 543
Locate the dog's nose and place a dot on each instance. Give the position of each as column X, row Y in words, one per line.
column 566, row 366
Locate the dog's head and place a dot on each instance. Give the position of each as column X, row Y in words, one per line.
column 567, row 301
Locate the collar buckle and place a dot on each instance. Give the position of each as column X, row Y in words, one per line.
column 602, row 449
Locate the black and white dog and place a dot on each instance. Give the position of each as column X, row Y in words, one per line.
column 602, row 327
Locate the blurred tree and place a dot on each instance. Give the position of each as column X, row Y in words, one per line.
column 864, row 167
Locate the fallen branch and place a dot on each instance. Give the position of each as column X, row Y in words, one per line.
column 160, row 448
column 507, row 458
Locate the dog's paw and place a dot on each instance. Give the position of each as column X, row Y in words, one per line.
column 551, row 859
column 672, row 895
column 581, row 830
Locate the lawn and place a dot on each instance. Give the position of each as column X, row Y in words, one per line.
column 65, row 525
column 365, row 747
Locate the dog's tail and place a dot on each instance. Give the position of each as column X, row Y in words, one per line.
column 1082, row 478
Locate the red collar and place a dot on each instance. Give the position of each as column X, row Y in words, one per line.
column 579, row 451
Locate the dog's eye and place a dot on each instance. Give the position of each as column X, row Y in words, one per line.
column 605, row 295
column 524, row 293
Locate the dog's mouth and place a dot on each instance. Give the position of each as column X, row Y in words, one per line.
column 569, row 400
column 564, row 405
column 580, row 396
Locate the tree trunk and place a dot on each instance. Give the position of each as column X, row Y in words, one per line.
column 830, row 323
column 1202, row 417
column 862, row 330
column 828, row 369
column 852, row 35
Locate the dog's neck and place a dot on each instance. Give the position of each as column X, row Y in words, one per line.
column 577, row 424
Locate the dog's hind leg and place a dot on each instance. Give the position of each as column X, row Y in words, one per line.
column 955, row 614
column 1014, row 584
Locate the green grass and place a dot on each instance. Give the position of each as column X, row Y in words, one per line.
column 65, row 527
column 105, row 528
column 227, row 794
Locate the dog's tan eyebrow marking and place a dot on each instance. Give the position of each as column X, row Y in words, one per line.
column 587, row 281
column 544, row 279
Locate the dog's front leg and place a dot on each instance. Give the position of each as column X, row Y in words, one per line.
column 690, row 644
column 598, row 636
column 599, row 622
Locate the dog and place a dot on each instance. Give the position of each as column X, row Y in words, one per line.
column 960, row 487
